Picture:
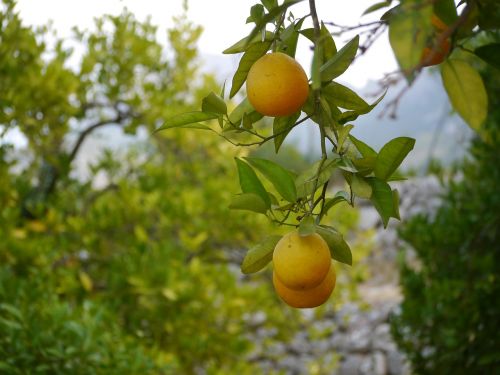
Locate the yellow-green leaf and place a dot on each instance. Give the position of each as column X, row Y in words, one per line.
column 339, row 249
column 249, row 202
column 250, row 183
column 391, row 156
column 260, row 255
column 466, row 91
column 253, row 53
column 281, row 179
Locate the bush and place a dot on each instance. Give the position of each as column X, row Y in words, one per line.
column 41, row 334
column 448, row 322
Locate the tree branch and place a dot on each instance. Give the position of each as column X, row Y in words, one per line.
column 84, row 134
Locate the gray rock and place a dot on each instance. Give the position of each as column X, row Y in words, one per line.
column 396, row 364
column 359, row 340
column 379, row 364
column 351, row 365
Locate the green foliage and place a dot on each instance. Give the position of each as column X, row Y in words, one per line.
column 412, row 27
column 466, row 91
column 41, row 334
column 449, row 318
column 304, row 195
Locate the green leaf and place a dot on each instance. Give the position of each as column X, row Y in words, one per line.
column 328, row 44
column 343, row 97
column 250, row 183
column 237, row 114
column 382, row 198
column 386, row 17
column 10, row 324
column 282, row 126
column 377, row 6
column 249, row 202
column 269, row 4
column 243, row 44
column 446, row 11
column 339, row 63
column 365, row 165
column 305, row 182
column 329, row 47
column 490, row 53
column 343, row 133
column 316, row 67
column 466, row 91
column 253, row 53
column 341, row 196
column 408, row 33
column 395, row 204
column 391, row 156
column 353, row 115
column 346, row 165
column 250, row 118
column 223, row 90
column 276, row 175
column 259, row 256
column 339, row 249
column 256, row 13
column 362, row 147
column 307, row 226
column 290, row 37
column 308, row 33
column 489, row 15
column 214, row 104
column 270, row 17
column 12, row 310
column 186, row 119
column 360, row 187
column 4, row 366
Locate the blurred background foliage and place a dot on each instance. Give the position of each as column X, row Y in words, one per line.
column 448, row 321
column 133, row 267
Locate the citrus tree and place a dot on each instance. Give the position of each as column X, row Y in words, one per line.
column 132, row 275
column 422, row 33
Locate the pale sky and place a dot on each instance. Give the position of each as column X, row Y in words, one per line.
column 223, row 22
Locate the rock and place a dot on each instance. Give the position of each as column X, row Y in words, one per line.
column 359, row 340
column 396, row 364
column 351, row 365
column 339, row 342
column 379, row 364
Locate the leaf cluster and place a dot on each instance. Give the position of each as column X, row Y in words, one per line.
column 288, row 198
column 411, row 29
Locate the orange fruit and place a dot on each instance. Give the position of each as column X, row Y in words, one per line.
column 277, row 85
column 438, row 23
column 301, row 262
column 435, row 55
column 432, row 54
column 310, row 297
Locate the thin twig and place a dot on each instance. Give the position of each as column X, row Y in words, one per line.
column 263, row 139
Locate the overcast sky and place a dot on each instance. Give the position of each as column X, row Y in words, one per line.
column 223, row 22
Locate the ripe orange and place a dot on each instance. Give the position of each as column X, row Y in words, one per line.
column 301, row 262
column 438, row 23
column 277, row 85
column 435, row 55
column 307, row 298
column 432, row 54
